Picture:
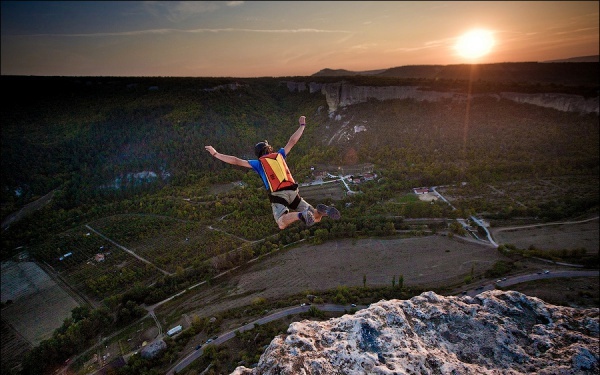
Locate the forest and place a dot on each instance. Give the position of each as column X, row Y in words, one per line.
column 125, row 156
column 86, row 140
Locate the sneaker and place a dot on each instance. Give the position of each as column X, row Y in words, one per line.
column 332, row 212
column 308, row 218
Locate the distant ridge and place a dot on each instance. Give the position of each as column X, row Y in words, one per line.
column 327, row 72
column 343, row 72
column 556, row 71
column 592, row 58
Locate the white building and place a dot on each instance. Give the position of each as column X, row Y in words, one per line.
column 174, row 330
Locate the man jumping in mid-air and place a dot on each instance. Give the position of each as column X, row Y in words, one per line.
column 288, row 207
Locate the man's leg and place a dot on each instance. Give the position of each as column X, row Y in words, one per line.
column 281, row 215
column 304, row 206
column 286, row 219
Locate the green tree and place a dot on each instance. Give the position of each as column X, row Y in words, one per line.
column 320, row 236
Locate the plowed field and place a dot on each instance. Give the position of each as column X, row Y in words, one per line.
column 431, row 261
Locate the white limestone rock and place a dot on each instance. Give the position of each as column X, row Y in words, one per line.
column 496, row 332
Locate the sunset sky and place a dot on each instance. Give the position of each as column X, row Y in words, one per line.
column 280, row 38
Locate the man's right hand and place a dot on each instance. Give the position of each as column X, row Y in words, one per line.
column 302, row 120
column 211, row 150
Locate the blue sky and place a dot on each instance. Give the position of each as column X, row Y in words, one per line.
column 279, row 38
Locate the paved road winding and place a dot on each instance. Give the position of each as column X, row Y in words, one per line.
column 192, row 356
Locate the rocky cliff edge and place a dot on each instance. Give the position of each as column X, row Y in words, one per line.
column 496, row 332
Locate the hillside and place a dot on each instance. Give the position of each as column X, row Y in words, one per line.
column 110, row 167
column 97, row 140
column 84, row 133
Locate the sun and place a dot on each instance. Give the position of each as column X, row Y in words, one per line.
column 475, row 44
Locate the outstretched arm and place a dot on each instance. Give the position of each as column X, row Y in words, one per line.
column 228, row 158
column 296, row 136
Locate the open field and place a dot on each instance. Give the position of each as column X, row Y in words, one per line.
column 422, row 261
column 166, row 242
column 14, row 347
column 39, row 305
column 321, row 192
column 429, row 262
column 94, row 277
column 521, row 194
column 552, row 237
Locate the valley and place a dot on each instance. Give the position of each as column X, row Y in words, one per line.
column 198, row 247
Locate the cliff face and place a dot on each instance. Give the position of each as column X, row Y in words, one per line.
column 495, row 332
column 341, row 94
column 562, row 102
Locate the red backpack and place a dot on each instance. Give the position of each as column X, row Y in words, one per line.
column 277, row 172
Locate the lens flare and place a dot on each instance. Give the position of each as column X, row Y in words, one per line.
column 475, row 43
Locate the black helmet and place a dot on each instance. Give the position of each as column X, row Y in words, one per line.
column 259, row 149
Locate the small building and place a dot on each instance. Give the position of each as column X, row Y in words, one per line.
column 174, row 330
column 319, row 174
column 421, row 190
column 369, row 176
column 99, row 257
column 152, row 350
column 65, row 256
